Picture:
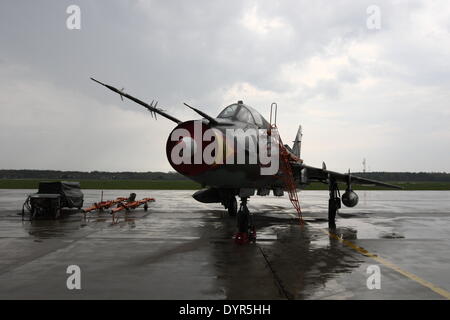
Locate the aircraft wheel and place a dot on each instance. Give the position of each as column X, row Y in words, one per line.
column 243, row 218
column 56, row 213
column 332, row 210
column 232, row 207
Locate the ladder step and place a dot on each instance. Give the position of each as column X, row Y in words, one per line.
column 288, row 177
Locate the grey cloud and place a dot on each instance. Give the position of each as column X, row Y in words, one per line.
column 177, row 51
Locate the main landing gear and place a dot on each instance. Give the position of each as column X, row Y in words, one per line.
column 334, row 203
column 232, row 206
column 246, row 229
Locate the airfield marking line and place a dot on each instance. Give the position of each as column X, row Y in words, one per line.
column 390, row 265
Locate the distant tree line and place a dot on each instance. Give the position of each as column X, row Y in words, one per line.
column 93, row 175
column 406, row 176
column 102, row 175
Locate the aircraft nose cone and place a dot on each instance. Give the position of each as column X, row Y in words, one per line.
column 185, row 146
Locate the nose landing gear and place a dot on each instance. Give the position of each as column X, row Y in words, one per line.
column 246, row 229
column 232, row 206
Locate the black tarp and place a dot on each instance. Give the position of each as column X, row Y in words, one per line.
column 69, row 190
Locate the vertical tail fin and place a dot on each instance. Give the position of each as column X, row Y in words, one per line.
column 297, row 147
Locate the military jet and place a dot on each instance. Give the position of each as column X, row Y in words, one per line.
column 240, row 132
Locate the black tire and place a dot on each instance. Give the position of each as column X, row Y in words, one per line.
column 332, row 210
column 232, row 207
column 57, row 213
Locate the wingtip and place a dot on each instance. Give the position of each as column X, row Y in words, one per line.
column 394, row 186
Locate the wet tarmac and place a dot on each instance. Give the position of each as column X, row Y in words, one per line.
column 182, row 249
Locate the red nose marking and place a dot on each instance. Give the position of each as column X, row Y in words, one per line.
column 189, row 169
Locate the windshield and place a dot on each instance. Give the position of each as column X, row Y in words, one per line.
column 244, row 115
column 228, row 112
column 259, row 120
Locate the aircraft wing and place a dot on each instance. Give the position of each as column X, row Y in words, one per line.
column 322, row 175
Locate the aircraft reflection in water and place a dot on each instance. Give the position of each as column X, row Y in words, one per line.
column 305, row 267
column 239, row 153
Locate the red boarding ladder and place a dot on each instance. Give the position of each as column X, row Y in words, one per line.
column 285, row 166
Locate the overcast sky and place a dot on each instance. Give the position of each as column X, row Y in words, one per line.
column 380, row 94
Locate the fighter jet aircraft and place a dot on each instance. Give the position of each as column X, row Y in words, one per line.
column 208, row 151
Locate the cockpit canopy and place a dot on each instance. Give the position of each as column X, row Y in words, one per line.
column 241, row 112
